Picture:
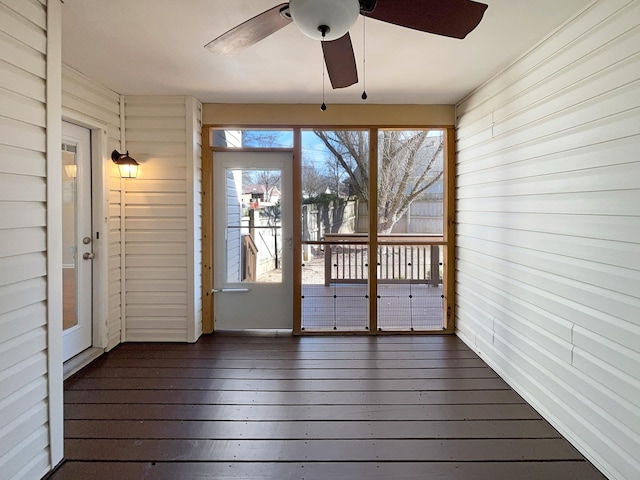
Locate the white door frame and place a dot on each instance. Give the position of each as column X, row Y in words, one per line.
column 100, row 164
column 273, row 301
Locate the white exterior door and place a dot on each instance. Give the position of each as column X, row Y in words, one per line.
column 253, row 284
column 77, row 239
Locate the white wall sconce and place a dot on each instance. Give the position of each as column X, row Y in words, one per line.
column 128, row 166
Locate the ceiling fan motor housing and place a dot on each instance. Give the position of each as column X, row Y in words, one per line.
column 325, row 20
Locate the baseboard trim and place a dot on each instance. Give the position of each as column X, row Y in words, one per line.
column 84, row 358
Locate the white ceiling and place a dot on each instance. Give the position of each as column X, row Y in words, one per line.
column 155, row 47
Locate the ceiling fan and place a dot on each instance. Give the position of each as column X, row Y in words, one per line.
column 329, row 21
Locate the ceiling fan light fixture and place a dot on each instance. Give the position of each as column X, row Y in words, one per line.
column 325, row 20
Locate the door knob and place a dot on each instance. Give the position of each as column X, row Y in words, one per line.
column 88, row 255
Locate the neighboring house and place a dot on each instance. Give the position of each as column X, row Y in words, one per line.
column 548, row 252
column 259, row 194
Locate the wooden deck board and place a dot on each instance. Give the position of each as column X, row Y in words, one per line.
column 360, row 450
column 277, row 407
column 321, row 430
column 561, row 470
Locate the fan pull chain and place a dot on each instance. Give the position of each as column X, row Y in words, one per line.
column 364, row 57
column 323, row 107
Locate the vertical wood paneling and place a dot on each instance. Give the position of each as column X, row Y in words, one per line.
column 84, row 98
column 26, row 393
column 162, row 230
column 548, row 207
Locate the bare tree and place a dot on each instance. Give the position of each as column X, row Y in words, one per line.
column 409, row 163
column 313, row 181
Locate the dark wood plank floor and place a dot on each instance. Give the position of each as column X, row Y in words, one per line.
column 238, row 407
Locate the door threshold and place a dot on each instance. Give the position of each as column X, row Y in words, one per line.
column 256, row 332
column 84, row 358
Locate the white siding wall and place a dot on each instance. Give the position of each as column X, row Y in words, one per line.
column 25, row 447
column 162, row 281
column 194, row 190
column 85, row 99
column 548, row 232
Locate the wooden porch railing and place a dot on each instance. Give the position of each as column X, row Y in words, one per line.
column 346, row 260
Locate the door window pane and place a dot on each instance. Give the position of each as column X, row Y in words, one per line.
column 253, row 226
column 69, row 235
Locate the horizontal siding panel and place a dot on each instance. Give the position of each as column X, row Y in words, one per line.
column 20, row 401
column 622, row 203
column 100, row 112
column 555, row 279
column 21, row 56
column 37, row 467
column 18, row 81
column 608, row 253
column 164, row 110
column 160, row 273
column 159, row 136
column 22, row 426
column 626, row 99
column 156, row 260
column 169, row 236
column 23, row 373
column 23, row 294
column 597, row 227
column 22, row 29
column 153, row 186
column 585, row 137
column 19, row 268
column 529, row 301
column 156, row 200
column 156, row 335
column 175, row 152
column 20, row 188
column 87, row 90
column 564, row 47
column 22, row 453
column 616, row 153
column 158, row 249
column 625, row 358
column 22, row 135
column 22, row 347
column 163, row 298
column 162, row 326
column 611, row 378
column 156, row 224
column 157, row 172
column 20, row 241
column 159, row 210
column 574, row 314
column 156, row 312
column 591, row 63
column 34, row 11
column 617, row 177
column 156, row 123
column 18, row 322
column 135, row 286
column 18, row 161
